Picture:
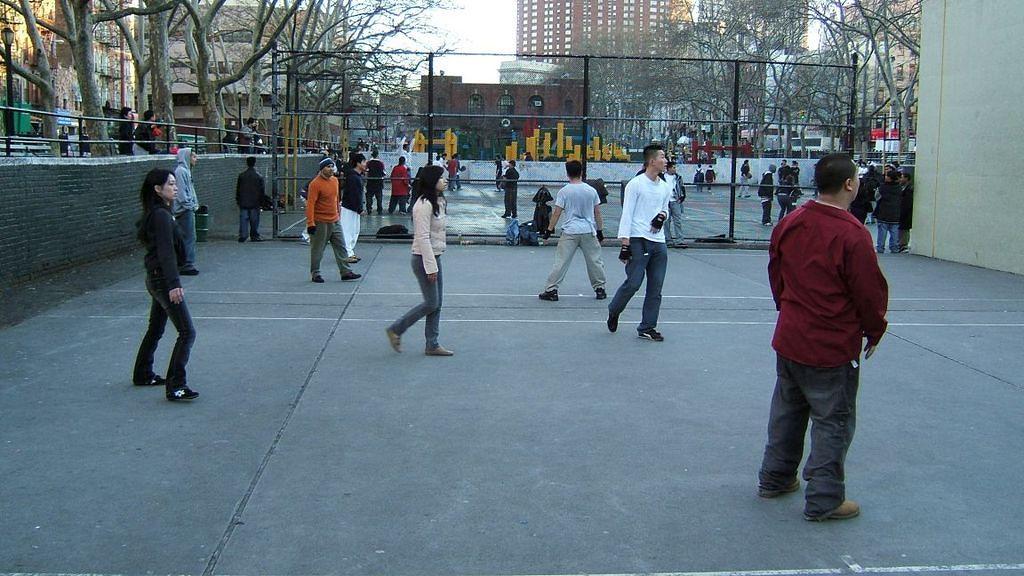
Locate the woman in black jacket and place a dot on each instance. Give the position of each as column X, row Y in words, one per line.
column 164, row 253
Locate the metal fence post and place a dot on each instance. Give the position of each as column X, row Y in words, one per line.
column 735, row 145
column 850, row 117
column 430, row 108
column 586, row 112
column 80, row 132
column 274, row 119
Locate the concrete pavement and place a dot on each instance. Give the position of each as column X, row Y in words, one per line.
column 545, row 446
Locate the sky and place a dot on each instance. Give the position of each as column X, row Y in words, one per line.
column 477, row 26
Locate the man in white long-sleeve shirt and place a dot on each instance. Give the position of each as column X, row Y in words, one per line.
column 641, row 231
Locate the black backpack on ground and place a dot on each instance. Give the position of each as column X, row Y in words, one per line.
column 394, row 231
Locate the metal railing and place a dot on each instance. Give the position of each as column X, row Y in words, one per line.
column 172, row 135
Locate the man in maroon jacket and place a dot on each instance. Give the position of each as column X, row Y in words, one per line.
column 831, row 295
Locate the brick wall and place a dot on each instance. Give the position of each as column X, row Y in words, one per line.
column 55, row 214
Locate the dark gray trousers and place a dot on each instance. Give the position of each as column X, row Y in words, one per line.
column 828, row 397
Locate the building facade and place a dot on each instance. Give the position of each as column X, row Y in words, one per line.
column 488, row 116
column 552, row 27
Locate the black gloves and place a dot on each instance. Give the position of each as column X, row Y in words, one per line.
column 625, row 254
column 600, row 235
column 658, row 221
column 545, row 234
column 310, row 230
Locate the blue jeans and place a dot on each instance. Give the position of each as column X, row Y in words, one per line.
column 187, row 224
column 648, row 259
column 161, row 308
column 248, row 223
column 892, row 229
column 430, row 307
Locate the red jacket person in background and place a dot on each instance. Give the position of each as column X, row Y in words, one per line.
column 831, row 296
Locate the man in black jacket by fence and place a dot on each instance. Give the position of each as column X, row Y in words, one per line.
column 510, row 182
column 765, row 191
column 249, row 192
column 375, row 172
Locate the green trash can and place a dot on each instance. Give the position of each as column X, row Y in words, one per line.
column 203, row 221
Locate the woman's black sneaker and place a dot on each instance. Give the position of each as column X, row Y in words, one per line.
column 600, row 293
column 153, row 380
column 183, row 393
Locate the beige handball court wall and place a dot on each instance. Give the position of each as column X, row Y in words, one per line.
column 969, row 205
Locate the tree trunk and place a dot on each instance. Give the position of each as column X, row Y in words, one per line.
column 160, row 66
column 207, row 90
column 81, row 45
column 41, row 79
column 255, row 107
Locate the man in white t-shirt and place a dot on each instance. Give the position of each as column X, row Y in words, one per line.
column 581, row 228
column 643, row 251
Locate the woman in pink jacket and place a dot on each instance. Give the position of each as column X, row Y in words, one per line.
column 428, row 244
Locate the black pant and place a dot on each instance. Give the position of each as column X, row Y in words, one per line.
column 370, row 195
column 510, row 202
column 828, row 396
column 399, row 201
column 766, row 210
column 160, row 310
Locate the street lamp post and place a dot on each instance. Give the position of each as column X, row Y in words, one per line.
column 8, row 37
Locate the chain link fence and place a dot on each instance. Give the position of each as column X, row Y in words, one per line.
column 492, row 109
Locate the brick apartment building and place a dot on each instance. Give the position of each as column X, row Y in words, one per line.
column 488, row 116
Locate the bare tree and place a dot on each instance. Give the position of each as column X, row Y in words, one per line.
column 200, row 30
column 79, row 23
column 875, row 30
column 42, row 76
column 349, row 66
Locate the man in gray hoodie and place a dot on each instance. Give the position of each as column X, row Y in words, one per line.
column 185, row 205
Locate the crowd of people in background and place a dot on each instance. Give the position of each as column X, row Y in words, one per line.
column 842, row 300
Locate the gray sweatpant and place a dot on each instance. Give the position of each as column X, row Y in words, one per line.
column 567, row 246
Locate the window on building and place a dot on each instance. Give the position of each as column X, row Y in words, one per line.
column 476, row 104
column 506, row 105
column 185, row 99
column 568, row 106
column 536, row 104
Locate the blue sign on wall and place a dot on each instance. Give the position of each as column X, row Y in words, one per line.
column 64, row 117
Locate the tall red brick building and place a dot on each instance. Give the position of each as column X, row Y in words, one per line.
column 565, row 26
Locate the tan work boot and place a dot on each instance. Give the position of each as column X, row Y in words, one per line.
column 394, row 339
column 848, row 509
column 439, row 351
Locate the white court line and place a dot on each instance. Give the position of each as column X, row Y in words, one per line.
column 693, row 322
column 532, row 321
column 498, row 295
column 126, row 316
column 853, row 567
